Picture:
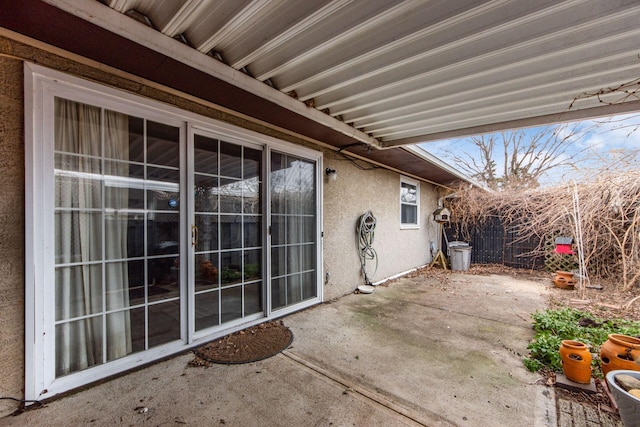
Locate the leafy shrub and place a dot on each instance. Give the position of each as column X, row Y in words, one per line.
column 552, row 326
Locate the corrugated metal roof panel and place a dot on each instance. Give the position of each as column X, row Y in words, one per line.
column 406, row 70
column 409, row 71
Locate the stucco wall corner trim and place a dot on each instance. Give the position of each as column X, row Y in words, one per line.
column 33, row 249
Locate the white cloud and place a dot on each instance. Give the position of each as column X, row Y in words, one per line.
column 617, row 131
column 441, row 145
column 593, row 142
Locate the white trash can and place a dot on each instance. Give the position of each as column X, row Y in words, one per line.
column 460, row 258
column 455, row 244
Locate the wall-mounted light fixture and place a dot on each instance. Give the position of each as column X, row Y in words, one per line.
column 332, row 174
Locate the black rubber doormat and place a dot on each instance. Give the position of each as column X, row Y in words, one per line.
column 249, row 345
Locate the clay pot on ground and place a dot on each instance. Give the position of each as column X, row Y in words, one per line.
column 576, row 361
column 620, row 352
column 564, row 280
column 628, row 404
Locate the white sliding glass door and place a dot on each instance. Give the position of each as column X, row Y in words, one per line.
column 151, row 230
column 228, row 231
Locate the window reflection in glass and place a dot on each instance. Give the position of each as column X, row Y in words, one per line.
column 207, row 311
column 293, row 229
column 205, row 155
column 164, row 322
column 231, row 303
column 163, row 144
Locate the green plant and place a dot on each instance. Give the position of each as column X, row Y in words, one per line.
column 251, row 271
column 533, row 365
column 552, row 326
column 231, row 275
column 544, row 350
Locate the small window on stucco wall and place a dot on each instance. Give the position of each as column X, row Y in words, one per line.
column 409, row 203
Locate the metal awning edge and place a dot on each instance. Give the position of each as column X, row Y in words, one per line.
column 567, row 116
column 113, row 21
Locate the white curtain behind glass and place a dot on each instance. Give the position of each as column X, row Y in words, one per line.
column 116, row 146
column 292, row 193
column 78, row 233
column 295, row 206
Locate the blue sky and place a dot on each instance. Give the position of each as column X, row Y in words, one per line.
column 607, row 142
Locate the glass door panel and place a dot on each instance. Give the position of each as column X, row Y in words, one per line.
column 117, row 235
column 227, row 259
column 293, row 230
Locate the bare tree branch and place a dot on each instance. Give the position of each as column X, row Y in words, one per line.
column 526, row 156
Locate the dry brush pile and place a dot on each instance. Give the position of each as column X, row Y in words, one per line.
column 604, row 212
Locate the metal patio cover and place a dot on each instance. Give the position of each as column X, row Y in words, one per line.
column 387, row 72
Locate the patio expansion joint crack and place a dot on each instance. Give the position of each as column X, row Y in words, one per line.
column 369, row 395
column 462, row 313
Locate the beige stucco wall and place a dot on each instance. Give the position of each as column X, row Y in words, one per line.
column 355, row 192
column 11, row 233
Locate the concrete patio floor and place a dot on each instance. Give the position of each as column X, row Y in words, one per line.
column 430, row 351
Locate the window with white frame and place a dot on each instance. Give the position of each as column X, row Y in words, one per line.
column 409, row 203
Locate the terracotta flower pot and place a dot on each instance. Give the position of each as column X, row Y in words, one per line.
column 620, row 352
column 564, row 280
column 576, row 361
